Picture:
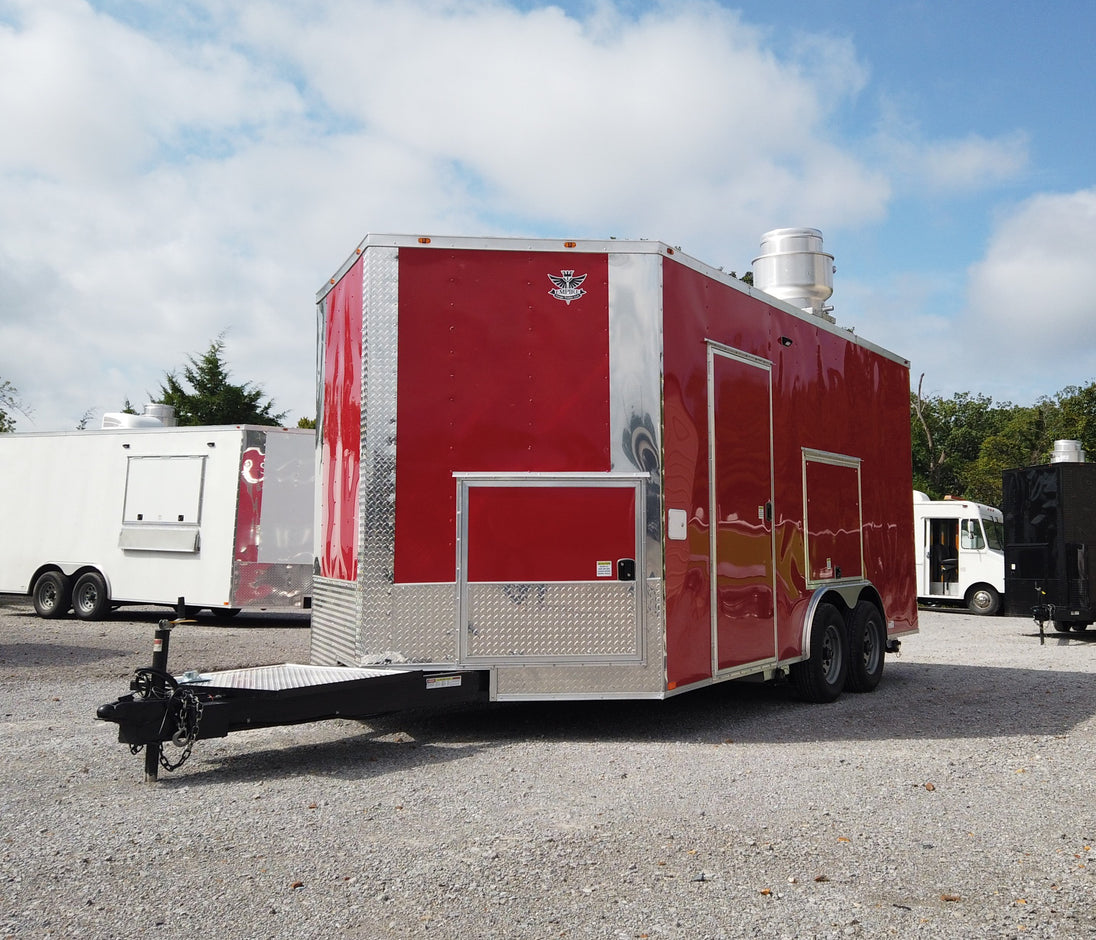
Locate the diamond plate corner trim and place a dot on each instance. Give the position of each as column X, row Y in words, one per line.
column 335, row 616
column 377, row 481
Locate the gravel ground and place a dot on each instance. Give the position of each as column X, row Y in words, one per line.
column 955, row 801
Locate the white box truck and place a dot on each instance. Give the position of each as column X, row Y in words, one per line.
column 219, row 516
column 960, row 552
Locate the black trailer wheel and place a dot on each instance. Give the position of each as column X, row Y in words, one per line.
column 1079, row 627
column 52, row 595
column 867, row 643
column 983, row 600
column 822, row 677
column 90, row 599
column 1059, row 626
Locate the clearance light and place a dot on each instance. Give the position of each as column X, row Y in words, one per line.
column 669, row 251
column 570, row 244
column 423, row 240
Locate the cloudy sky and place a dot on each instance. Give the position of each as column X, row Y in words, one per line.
column 169, row 172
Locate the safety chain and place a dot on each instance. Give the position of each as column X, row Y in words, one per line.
column 188, row 717
column 187, row 710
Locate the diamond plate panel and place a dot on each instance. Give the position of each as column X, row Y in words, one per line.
column 283, row 677
column 613, row 680
column 264, row 584
column 420, row 627
column 552, row 621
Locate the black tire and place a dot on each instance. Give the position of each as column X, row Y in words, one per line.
column 1079, row 627
column 867, row 647
column 90, row 598
column 52, row 595
column 1059, row 626
column 983, row 600
column 822, row 677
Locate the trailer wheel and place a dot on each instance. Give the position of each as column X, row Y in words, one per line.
column 822, row 677
column 1059, row 626
column 90, row 599
column 984, row 600
column 867, row 642
column 52, row 595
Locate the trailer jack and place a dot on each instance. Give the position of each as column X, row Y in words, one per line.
column 1042, row 613
column 162, row 707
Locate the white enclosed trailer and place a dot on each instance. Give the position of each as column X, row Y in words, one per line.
column 960, row 552
column 220, row 516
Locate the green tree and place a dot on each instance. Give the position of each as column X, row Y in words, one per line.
column 9, row 402
column 1075, row 417
column 1023, row 438
column 962, row 444
column 307, row 423
column 214, row 399
column 947, row 436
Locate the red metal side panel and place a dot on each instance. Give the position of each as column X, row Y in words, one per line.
column 833, row 519
column 495, row 374
column 249, row 504
column 532, row 534
column 341, row 430
column 828, row 394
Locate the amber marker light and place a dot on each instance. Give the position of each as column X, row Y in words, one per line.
column 570, row 244
column 423, row 240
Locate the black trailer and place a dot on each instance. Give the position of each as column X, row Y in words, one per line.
column 1050, row 543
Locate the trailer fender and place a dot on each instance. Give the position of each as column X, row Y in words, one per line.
column 844, row 597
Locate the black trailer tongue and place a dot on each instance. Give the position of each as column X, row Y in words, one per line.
column 194, row 706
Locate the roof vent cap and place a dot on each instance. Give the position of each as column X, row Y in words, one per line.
column 1067, row 452
column 793, row 267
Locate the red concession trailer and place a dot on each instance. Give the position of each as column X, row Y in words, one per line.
column 603, row 469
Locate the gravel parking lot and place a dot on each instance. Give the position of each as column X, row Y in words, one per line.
column 955, row 801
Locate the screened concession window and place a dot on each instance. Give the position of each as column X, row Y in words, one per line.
column 164, row 490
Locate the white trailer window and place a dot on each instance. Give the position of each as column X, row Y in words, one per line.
column 164, row 490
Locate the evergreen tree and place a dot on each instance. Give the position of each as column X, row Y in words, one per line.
column 213, row 398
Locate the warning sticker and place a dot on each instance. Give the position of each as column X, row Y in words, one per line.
column 442, row 682
column 604, row 569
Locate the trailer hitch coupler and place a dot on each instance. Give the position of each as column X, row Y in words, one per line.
column 161, row 641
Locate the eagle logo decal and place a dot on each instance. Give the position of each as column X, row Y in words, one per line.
column 568, row 286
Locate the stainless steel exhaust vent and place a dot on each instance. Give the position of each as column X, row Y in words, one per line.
column 793, row 267
column 1067, row 452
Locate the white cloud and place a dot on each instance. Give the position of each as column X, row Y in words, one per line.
column 178, row 171
column 87, row 98
column 1037, row 280
column 972, row 163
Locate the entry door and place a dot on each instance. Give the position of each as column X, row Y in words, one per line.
column 741, row 483
column 942, row 538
